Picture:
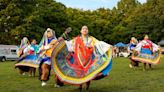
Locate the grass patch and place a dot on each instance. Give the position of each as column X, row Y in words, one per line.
column 121, row 79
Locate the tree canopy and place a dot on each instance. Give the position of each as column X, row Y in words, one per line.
column 30, row 18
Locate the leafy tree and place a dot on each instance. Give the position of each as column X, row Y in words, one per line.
column 19, row 18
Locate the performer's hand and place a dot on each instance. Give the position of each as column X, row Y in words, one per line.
column 42, row 48
column 88, row 45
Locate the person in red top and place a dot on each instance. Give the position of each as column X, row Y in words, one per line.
column 84, row 59
column 146, row 52
column 146, row 48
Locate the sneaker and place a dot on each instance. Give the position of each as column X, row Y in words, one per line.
column 44, row 84
column 56, row 86
column 24, row 73
column 130, row 65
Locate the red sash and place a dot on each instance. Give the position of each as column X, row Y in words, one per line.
column 82, row 56
column 148, row 44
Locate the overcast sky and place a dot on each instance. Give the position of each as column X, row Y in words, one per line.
column 91, row 4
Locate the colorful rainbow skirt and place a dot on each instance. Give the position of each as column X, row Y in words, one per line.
column 29, row 60
column 147, row 58
column 102, row 64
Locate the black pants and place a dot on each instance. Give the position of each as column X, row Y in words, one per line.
column 58, row 82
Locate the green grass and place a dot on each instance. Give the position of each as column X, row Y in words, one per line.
column 121, row 79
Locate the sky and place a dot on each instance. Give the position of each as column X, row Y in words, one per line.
column 91, row 4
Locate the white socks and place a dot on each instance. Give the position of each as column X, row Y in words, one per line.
column 43, row 83
column 56, row 86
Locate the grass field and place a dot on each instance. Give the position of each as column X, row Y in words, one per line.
column 121, row 79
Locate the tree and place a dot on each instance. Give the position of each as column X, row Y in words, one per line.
column 30, row 18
